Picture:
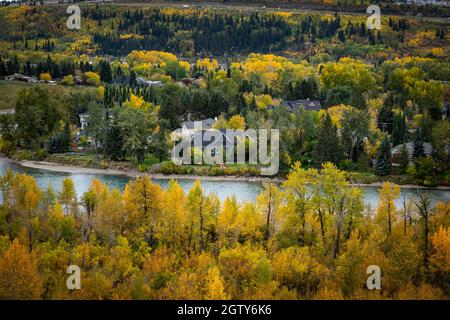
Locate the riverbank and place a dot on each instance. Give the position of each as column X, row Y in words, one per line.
column 51, row 166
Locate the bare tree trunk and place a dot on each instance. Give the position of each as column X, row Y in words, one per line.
column 201, row 223
column 322, row 227
column 268, row 216
column 389, row 217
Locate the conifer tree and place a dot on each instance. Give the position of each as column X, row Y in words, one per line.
column 418, row 145
column 398, row 128
column 383, row 166
column 328, row 147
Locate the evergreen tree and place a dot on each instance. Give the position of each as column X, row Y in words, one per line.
column 60, row 142
column 385, row 118
column 418, row 145
column 403, row 159
column 383, row 166
column 398, row 128
column 105, row 71
column 328, row 146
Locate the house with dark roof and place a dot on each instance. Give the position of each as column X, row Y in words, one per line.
column 149, row 83
column 308, row 105
column 21, row 77
column 295, row 105
column 218, row 141
column 188, row 127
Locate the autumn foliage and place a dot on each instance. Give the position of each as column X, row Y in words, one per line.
column 311, row 238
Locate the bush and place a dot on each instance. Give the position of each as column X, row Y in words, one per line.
column 41, row 154
column 142, row 167
column 168, row 167
column 6, row 146
column 216, row 171
column 423, row 172
column 24, row 155
column 58, row 143
column 348, row 165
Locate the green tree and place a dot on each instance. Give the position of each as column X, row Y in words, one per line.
column 383, row 166
column 36, row 115
column 398, row 127
column 328, row 147
column 355, row 127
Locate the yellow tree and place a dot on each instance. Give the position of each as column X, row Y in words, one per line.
column 342, row 202
column 144, row 202
column 214, row 288
column 350, row 265
column 200, row 215
column 119, row 262
column 440, row 258
column 248, row 222
column 386, row 207
column 110, row 219
column 227, row 221
column 61, row 227
column 236, row 122
column 295, row 267
column 299, row 194
column 19, row 277
column 27, row 195
column 270, row 201
column 68, row 196
column 404, row 260
column 174, row 215
column 97, row 192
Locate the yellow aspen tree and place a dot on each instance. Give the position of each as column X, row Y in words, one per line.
column 19, row 276
column 386, row 207
column 214, row 288
column 27, row 195
column 440, row 258
column 68, row 196
column 201, row 210
column 174, row 215
column 300, row 195
column 110, row 218
column 269, row 201
column 350, row 267
column 227, row 221
column 248, row 221
column 144, row 201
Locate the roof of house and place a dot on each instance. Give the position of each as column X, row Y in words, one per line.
column 149, row 82
column 427, row 148
column 206, row 124
column 212, row 142
column 308, row 105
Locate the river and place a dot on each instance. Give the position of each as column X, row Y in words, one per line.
column 243, row 190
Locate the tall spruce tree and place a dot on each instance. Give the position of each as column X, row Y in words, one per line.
column 328, row 146
column 418, row 145
column 383, row 166
column 398, row 128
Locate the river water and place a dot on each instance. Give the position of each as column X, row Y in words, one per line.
column 243, row 190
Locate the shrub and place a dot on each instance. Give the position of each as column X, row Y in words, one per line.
column 423, row 172
column 41, row 154
column 348, row 165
